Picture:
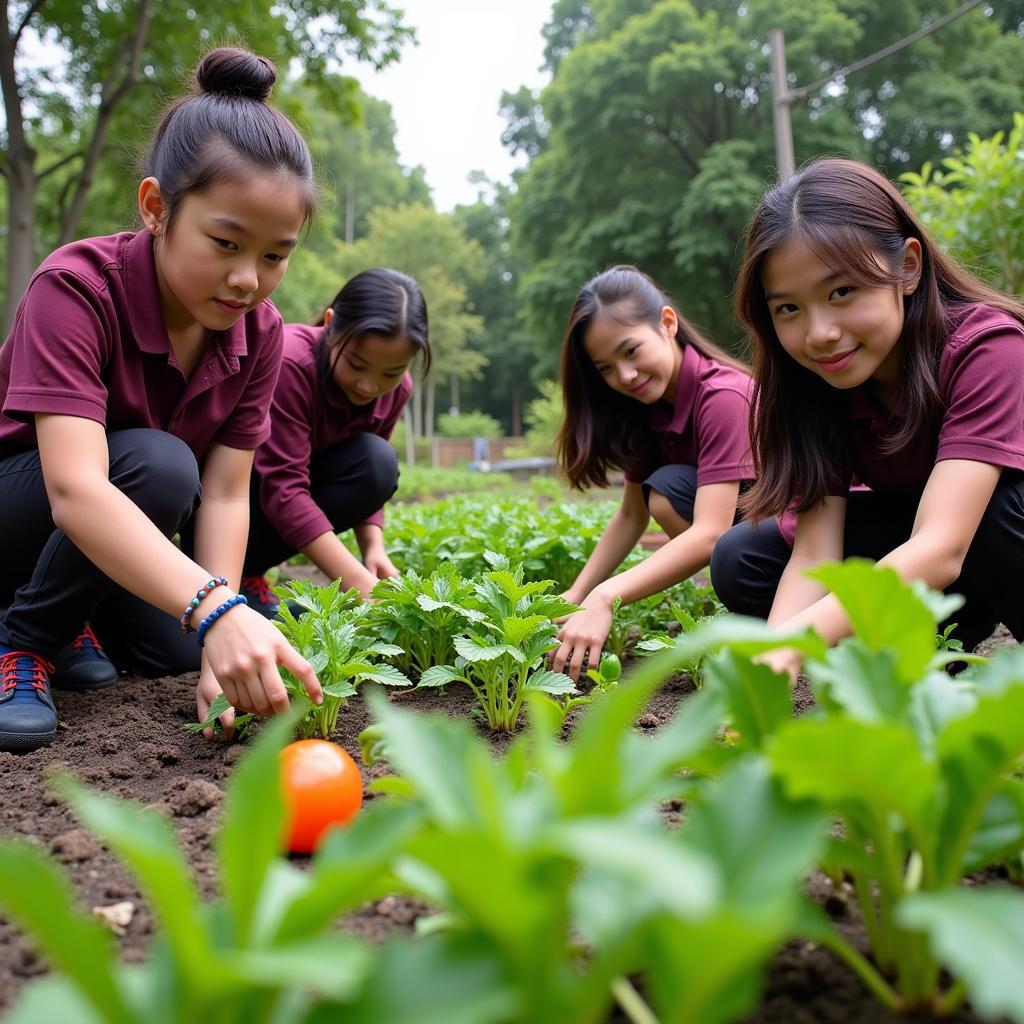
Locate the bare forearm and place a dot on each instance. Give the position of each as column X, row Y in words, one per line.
column 335, row 561
column 676, row 561
column 619, row 538
column 369, row 537
column 222, row 526
column 117, row 537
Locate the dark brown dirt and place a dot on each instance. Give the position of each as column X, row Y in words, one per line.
column 130, row 741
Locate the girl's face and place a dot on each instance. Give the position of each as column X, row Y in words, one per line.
column 845, row 332
column 370, row 366
column 640, row 361
column 227, row 249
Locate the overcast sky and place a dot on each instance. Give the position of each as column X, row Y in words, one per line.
column 445, row 91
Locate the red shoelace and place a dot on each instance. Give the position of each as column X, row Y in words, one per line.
column 259, row 586
column 87, row 638
column 12, row 673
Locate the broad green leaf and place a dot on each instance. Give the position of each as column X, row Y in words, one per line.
column 850, row 767
column 1000, row 832
column 440, row 675
column 935, row 701
column 975, row 751
column 57, row 999
column 762, row 843
column 329, row 965
column 862, row 682
column 710, row 971
column 145, row 842
column 443, row 980
column 885, row 612
column 474, row 651
column 979, row 935
column 745, row 636
column 550, row 682
column 388, row 675
column 686, row 877
column 35, row 893
column 757, row 699
column 438, row 756
column 351, row 866
column 252, row 826
column 516, row 630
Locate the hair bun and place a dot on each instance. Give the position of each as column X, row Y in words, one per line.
column 230, row 71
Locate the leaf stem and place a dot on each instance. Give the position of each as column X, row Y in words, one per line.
column 631, row 1002
column 862, row 967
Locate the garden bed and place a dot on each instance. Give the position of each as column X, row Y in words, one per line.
column 130, row 741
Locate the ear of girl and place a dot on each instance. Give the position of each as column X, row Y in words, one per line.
column 327, row 466
column 645, row 394
column 137, row 380
column 889, row 422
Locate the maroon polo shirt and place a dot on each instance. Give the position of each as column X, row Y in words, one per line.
column 89, row 340
column 981, row 385
column 707, row 427
column 308, row 416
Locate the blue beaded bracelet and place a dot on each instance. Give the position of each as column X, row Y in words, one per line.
column 217, row 581
column 216, row 614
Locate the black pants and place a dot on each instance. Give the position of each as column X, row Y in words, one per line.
column 49, row 588
column 748, row 560
column 349, row 481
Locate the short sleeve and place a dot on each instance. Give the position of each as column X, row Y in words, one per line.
column 723, row 437
column 61, row 340
column 984, row 418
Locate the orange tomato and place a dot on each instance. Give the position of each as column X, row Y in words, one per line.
column 322, row 788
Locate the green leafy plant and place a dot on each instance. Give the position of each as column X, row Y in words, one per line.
column 916, row 768
column 422, row 616
column 501, row 658
column 330, row 634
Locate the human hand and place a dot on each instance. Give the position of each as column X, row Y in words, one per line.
column 582, row 636
column 378, row 563
column 243, row 650
column 207, row 690
column 783, row 660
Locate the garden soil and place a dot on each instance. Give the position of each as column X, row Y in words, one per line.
column 130, row 741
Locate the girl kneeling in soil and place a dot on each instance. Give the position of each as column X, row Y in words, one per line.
column 136, row 379
column 327, row 465
column 645, row 393
column 878, row 358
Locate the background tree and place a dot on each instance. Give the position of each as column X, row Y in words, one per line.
column 974, row 208
column 431, row 247
column 116, row 59
column 654, row 137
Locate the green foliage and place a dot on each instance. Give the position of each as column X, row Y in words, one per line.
column 501, row 654
column 468, row 424
column 543, row 419
column 329, row 633
column 417, row 482
column 975, row 207
column 654, row 137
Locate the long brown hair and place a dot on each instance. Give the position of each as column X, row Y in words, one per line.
column 857, row 222
column 602, row 429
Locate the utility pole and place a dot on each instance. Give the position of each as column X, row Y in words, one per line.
column 784, row 97
column 781, row 99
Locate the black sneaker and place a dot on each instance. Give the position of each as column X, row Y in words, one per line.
column 28, row 717
column 83, row 665
column 257, row 593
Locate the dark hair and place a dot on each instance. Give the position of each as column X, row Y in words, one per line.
column 857, row 222
column 602, row 429
column 222, row 128
column 378, row 301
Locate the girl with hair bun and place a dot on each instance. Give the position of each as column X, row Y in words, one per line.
column 646, row 394
column 135, row 385
column 327, row 465
column 877, row 359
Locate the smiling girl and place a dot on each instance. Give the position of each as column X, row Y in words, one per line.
column 878, row 359
column 327, row 465
column 134, row 387
column 645, row 393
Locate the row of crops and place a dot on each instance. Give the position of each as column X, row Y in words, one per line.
column 557, row 892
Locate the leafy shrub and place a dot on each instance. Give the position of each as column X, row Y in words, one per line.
column 468, row 424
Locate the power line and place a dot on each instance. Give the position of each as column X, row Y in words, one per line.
column 796, row 95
